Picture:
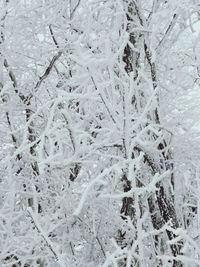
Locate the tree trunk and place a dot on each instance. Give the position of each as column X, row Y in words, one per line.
column 161, row 205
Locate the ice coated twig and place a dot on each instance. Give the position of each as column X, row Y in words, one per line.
column 49, row 244
column 97, row 180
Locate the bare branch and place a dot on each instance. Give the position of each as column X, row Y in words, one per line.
column 75, row 8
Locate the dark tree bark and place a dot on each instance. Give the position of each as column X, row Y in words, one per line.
column 161, row 205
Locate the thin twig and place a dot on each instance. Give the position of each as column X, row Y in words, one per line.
column 107, row 108
column 53, row 36
column 44, row 76
column 48, row 69
column 75, row 8
column 169, row 28
column 102, row 249
column 40, row 231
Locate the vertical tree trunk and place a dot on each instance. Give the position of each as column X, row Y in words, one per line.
column 161, row 205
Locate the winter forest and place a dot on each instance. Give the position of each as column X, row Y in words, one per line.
column 99, row 133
